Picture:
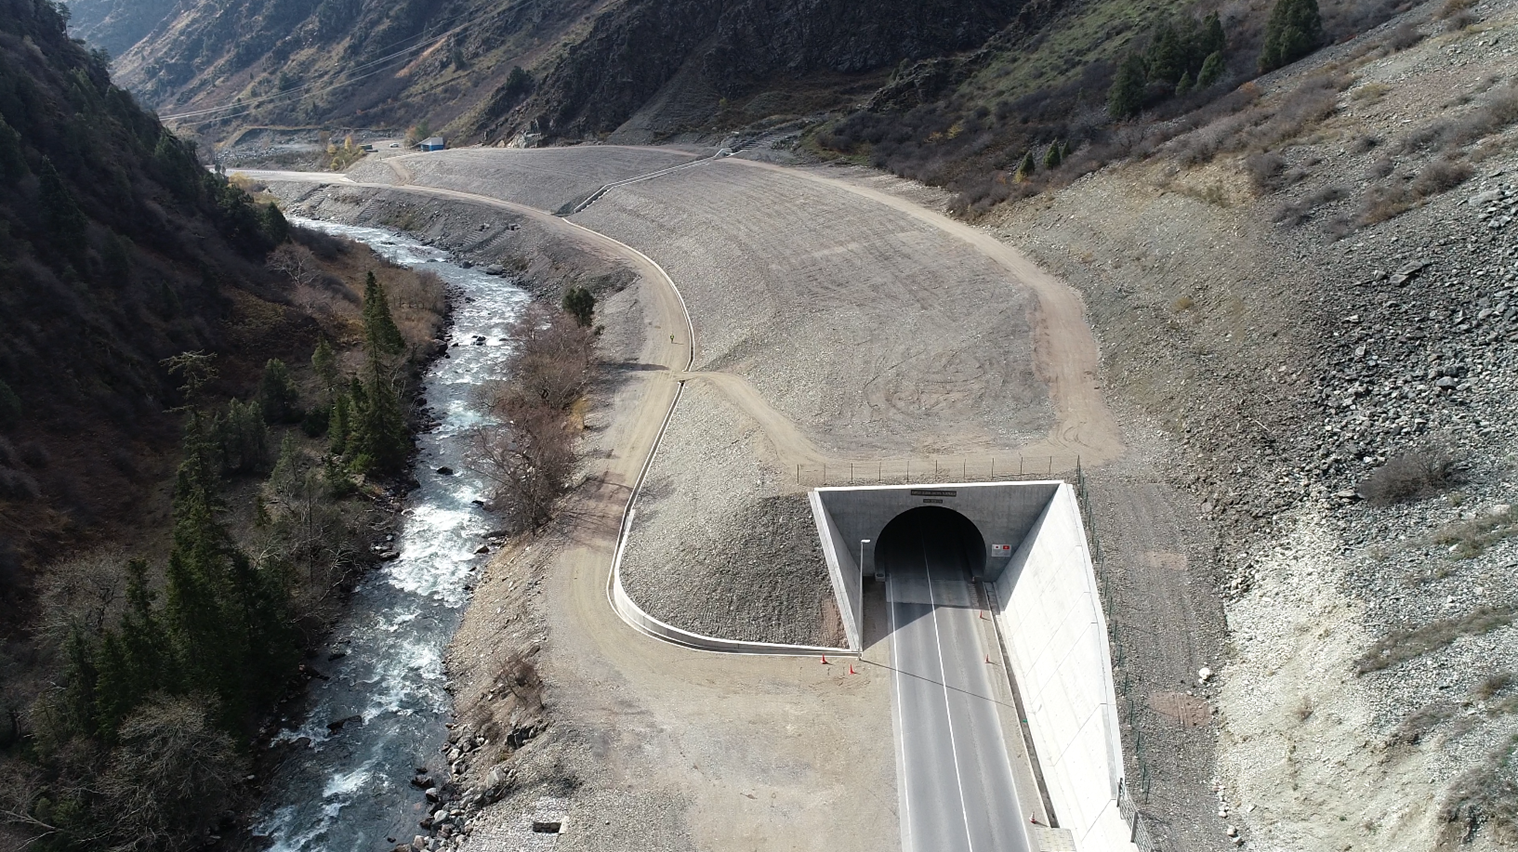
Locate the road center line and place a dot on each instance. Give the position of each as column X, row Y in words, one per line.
column 948, row 708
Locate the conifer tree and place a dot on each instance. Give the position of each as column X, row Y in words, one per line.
column 197, row 573
column 383, row 442
column 380, row 333
column 130, row 662
column 242, row 438
column 1185, row 85
column 1126, row 96
column 1212, row 71
column 1166, row 61
column 324, row 364
column 278, row 395
column 1294, row 30
column 580, row 303
column 1212, row 39
column 338, row 424
column 1052, row 157
column 1026, row 167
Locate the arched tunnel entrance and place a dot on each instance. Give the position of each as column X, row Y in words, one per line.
column 931, row 538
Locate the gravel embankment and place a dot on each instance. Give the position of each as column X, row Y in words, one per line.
column 543, row 178
column 874, row 333
column 721, row 545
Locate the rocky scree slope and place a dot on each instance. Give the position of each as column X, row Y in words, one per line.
column 1313, row 303
column 116, row 25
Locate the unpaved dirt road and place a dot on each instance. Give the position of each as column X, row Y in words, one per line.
column 757, row 752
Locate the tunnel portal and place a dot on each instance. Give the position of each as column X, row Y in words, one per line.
column 910, row 534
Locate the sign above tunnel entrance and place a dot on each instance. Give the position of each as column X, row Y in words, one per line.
column 930, row 492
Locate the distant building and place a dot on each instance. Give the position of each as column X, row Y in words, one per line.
column 434, row 143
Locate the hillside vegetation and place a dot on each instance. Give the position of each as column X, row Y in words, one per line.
column 199, row 408
column 490, row 69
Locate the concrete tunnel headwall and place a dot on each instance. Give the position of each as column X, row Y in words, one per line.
column 1035, row 561
column 850, row 522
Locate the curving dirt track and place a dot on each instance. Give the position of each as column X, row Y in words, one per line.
column 754, row 752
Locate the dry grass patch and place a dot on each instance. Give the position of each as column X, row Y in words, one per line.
column 1402, row 645
column 1467, row 539
column 1486, row 797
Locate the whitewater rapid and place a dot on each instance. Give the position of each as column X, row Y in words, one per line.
column 349, row 790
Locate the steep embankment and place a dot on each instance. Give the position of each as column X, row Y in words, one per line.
column 1307, row 307
column 117, row 250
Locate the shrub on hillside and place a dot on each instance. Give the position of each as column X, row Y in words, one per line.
column 1409, row 474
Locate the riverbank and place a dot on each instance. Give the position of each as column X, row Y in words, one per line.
column 628, row 718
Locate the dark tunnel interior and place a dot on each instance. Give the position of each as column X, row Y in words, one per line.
column 910, row 535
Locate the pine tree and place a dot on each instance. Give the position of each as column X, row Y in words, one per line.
column 380, row 333
column 1167, row 56
column 581, row 304
column 273, row 225
column 197, row 573
column 1026, row 167
column 1212, row 39
column 1126, row 96
column 1294, row 30
column 324, row 364
column 1185, row 85
column 338, row 424
column 278, row 395
column 1212, row 71
column 242, row 438
column 1052, row 157
column 383, row 441
column 80, row 676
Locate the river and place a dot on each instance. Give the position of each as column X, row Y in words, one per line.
column 349, row 790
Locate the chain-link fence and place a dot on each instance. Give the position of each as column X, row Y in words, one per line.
column 1129, row 709
column 933, row 470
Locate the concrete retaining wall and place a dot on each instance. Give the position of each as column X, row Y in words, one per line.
column 843, row 570
column 1051, row 617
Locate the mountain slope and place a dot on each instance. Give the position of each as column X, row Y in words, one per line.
column 589, row 65
column 117, row 250
column 117, row 25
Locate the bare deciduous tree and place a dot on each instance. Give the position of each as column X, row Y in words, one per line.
column 172, row 776
column 530, row 456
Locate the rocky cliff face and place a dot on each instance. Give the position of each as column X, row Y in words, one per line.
column 117, row 25
column 590, row 65
column 739, row 50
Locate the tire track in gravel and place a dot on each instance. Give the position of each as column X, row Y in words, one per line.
column 1068, row 359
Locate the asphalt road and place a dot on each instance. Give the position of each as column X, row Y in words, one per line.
column 956, row 787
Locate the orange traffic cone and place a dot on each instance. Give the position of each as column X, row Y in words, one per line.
column 851, row 668
column 988, row 658
column 824, row 659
